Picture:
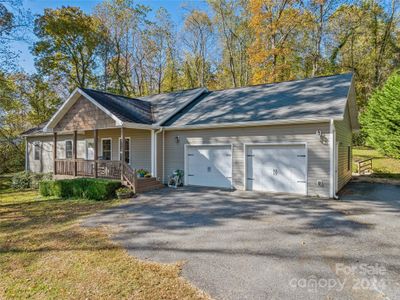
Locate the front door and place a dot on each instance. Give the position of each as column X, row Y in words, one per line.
column 90, row 149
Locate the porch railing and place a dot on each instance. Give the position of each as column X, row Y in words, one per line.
column 111, row 169
column 105, row 168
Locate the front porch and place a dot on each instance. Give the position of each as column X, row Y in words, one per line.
column 100, row 153
column 70, row 168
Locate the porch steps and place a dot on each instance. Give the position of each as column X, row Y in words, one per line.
column 148, row 184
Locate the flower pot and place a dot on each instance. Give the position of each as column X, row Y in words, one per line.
column 124, row 195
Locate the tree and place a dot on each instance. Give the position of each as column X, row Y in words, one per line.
column 198, row 34
column 14, row 23
column 364, row 38
column 68, row 41
column 381, row 119
column 276, row 25
column 235, row 37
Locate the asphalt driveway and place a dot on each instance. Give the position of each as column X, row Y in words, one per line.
column 245, row 245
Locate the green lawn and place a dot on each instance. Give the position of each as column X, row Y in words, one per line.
column 46, row 254
column 382, row 166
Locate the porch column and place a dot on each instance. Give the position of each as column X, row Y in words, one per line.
column 75, row 152
column 96, row 150
column 122, row 151
column 55, row 153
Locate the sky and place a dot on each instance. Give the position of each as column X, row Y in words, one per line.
column 174, row 7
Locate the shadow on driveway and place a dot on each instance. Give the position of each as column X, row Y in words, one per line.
column 252, row 245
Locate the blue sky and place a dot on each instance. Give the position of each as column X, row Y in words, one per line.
column 175, row 8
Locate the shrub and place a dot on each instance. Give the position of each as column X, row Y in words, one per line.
column 124, row 192
column 26, row 180
column 46, row 187
column 21, row 181
column 87, row 188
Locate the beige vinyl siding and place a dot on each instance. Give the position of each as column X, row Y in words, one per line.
column 344, row 138
column 318, row 152
column 140, row 155
column 45, row 162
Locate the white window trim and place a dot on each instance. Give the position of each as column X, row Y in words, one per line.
column 119, row 148
column 101, row 144
column 65, row 149
column 36, row 144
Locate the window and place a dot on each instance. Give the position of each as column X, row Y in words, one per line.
column 127, row 149
column 106, row 149
column 36, row 150
column 348, row 158
column 68, row 149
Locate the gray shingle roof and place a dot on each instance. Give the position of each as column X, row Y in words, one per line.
column 124, row 108
column 35, row 130
column 320, row 97
column 163, row 105
column 315, row 98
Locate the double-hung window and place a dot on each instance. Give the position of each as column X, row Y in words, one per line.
column 127, row 149
column 106, row 149
column 68, row 149
column 36, row 151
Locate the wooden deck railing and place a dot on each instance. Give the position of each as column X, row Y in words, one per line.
column 364, row 166
column 129, row 176
column 111, row 169
column 105, row 168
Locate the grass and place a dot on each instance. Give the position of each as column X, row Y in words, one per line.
column 382, row 166
column 46, row 254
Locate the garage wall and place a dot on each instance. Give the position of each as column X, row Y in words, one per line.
column 344, row 138
column 318, row 151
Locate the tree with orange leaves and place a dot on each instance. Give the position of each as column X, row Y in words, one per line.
column 274, row 23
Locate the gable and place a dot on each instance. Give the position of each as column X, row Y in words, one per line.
column 84, row 115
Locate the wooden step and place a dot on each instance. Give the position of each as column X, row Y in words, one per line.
column 147, row 188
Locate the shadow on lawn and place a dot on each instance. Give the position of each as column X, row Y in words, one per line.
column 48, row 225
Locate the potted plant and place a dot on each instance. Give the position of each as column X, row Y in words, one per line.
column 124, row 192
column 147, row 175
column 142, row 172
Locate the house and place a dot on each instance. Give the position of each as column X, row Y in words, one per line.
column 290, row 137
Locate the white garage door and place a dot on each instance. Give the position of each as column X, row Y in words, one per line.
column 209, row 166
column 277, row 168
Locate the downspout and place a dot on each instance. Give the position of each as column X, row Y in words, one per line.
column 163, row 156
column 155, row 151
column 26, row 154
column 332, row 143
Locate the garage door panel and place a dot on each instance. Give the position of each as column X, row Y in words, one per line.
column 277, row 168
column 209, row 166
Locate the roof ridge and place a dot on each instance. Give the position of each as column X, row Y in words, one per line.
column 113, row 94
column 277, row 82
column 172, row 92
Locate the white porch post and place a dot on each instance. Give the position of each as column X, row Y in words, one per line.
column 153, row 154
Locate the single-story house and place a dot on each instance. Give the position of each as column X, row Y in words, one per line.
column 290, row 137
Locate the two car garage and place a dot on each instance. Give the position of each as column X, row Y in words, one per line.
column 279, row 168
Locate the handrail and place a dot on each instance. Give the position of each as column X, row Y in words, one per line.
column 129, row 175
column 364, row 166
column 114, row 169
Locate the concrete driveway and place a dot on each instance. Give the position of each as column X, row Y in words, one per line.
column 245, row 245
